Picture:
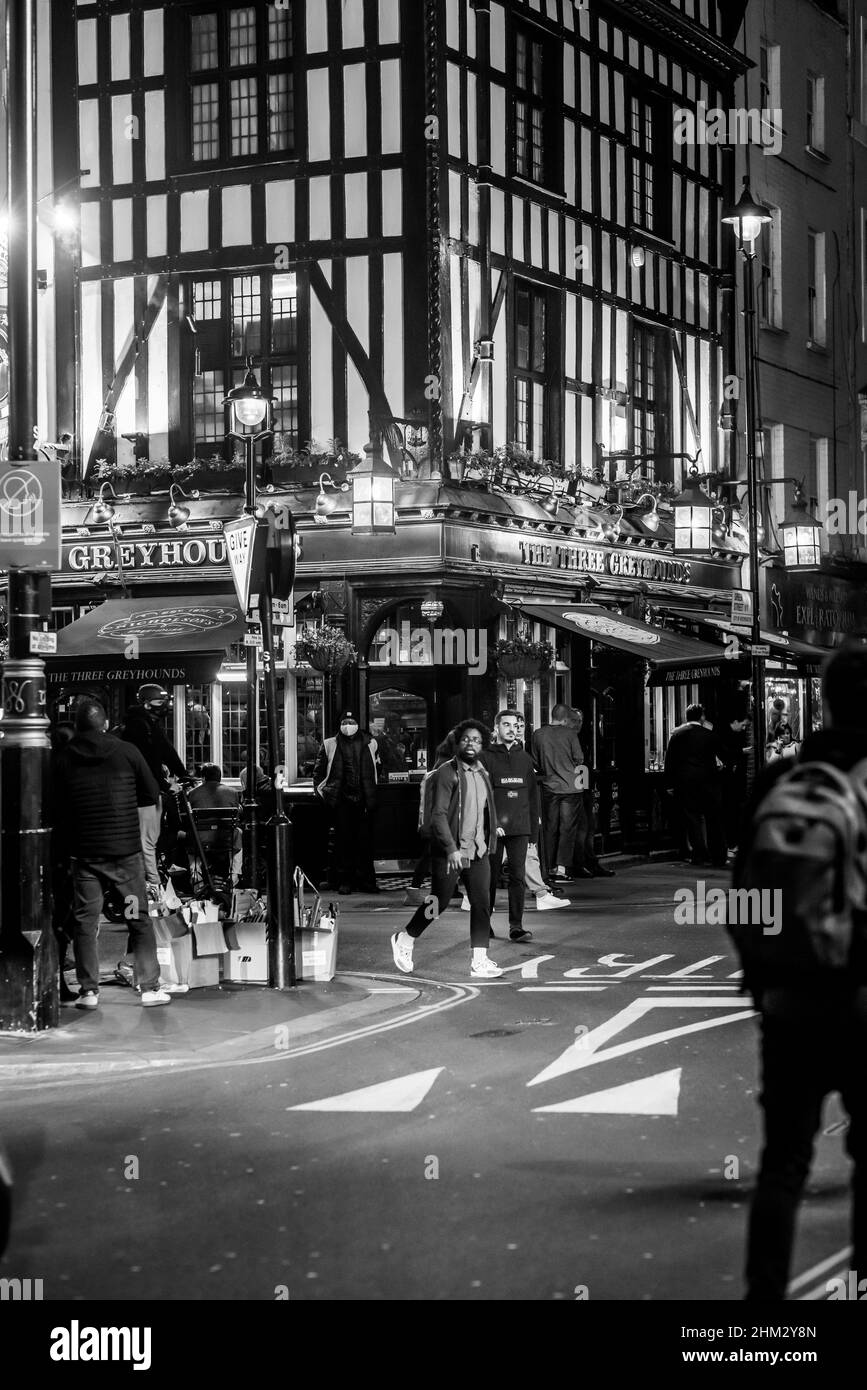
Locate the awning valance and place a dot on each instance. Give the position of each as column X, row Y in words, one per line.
column 159, row 639
column 666, row 651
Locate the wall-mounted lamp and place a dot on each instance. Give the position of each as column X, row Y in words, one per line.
column 325, row 505
column 178, row 514
column 650, row 518
column 432, row 609
column 637, row 256
column 693, row 511
column 799, row 534
column 485, row 351
column 610, row 523
column 103, row 511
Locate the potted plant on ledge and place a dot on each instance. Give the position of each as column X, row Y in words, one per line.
column 523, row 658
column 326, row 648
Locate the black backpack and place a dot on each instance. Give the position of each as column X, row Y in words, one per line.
column 807, row 862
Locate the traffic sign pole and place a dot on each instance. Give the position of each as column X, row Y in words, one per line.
column 29, row 549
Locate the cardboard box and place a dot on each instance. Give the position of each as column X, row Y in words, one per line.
column 249, row 964
column 205, row 972
column 210, row 938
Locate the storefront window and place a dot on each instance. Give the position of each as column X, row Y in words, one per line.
column 199, row 743
column 264, row 750
column 234, row 729
column 309, row 695
column 784, row 724
column 398, row 722
column 816, row 694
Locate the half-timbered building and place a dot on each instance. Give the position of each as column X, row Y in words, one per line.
column 468, row 228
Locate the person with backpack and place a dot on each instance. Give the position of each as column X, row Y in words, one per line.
column 463, row 826
column 804, row 850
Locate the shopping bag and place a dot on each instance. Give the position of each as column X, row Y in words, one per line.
column 175, row 954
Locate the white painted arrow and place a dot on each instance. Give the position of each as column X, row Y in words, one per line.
column 529, row 968
column 652, row 1095
column 585, row 1051
column 404, row 1093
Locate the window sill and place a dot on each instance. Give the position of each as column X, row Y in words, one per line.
column 639, row 236
column 775, row 328
column 819, row 155
column 819, row 348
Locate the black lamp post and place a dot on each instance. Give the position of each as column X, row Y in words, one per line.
column 249, row 421
column 746, row 219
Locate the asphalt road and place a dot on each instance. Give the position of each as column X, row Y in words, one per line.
column 585, row 1127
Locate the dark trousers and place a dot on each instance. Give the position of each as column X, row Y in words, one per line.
column 812, row 1043
column 423, row 867
column 563, row 822
column 585, row 854
column 92, row 878
column 476, row 876
column 516, row 848
column 701, row 809
column 352, row 857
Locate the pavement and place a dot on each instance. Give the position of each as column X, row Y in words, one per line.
column 215, row 1024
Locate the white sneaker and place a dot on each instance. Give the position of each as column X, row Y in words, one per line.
column 485, row 969
column 151, row 997
column 547, row 902
column 465, row 904
column 402, row 955
column 165, row 988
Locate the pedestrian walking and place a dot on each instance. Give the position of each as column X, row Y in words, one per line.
column 692, row 775
column 559, row 760
column 516, row 802
column 463, row 826
column 808, row 977
column 142, row 727
column 546, row 899
column 345, row 778
column 98, row 783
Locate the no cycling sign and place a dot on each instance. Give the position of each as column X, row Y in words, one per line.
column 30, row 531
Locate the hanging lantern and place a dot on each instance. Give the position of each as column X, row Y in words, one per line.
column 799, row 535
column 693, row 517
column 372, row 493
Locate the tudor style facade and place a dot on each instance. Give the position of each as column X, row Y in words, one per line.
column 464, row 223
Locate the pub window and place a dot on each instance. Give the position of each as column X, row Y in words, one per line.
column 236, row 316
column 241, row 83
column 531, row 353
column 651, row 402
column 199, row 742
column 534, row 102
column 651, row 146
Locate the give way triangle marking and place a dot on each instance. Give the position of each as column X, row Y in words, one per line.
column 587, row 1050
column 652, row 1095
column 404, row 1093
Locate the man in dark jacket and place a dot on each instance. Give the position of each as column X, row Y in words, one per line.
column 143, row 728
column 814, row 1029
column 559, row 760
column 692, row 775
column 516, row 801
column 98, row 784
column 463, row 827
column 345, row 778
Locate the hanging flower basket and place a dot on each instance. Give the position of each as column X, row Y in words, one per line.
column 522, row 658
column 326, row 649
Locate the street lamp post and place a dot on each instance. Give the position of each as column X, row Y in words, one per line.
column 249, row 422
column 746, row 219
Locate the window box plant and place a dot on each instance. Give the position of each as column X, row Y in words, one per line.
column 522, row 658
column 326, row 648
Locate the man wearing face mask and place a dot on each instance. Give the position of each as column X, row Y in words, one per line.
column 143, row 727
column 345, row 778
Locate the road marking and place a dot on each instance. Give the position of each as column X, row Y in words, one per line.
column 685, row 988
column 529, row 969
column 691, row 969
column 652, row 1095
column 562, row 988
column 840, row 1258
column 615, row 959
column 585, row 1053
column 402, row 1094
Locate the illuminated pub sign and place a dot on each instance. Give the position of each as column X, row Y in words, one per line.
column 193, row 552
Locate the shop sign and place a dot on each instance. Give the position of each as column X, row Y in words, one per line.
column 818, row 608
column 197, row 552
column 585, row 559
